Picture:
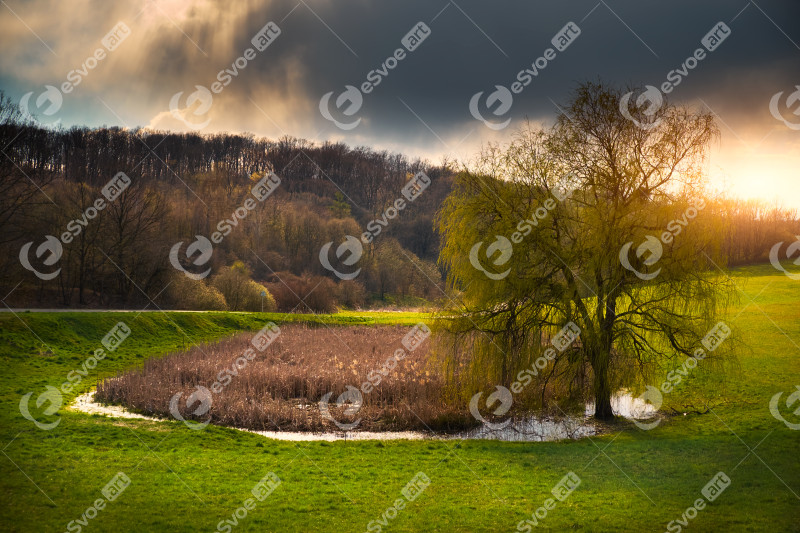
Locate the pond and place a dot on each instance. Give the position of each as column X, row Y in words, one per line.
column 527, row 429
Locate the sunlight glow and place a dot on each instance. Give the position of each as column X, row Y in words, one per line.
column 774, row 178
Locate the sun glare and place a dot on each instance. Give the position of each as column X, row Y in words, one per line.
column 765, row 173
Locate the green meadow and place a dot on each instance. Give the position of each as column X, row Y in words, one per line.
column 184, row 480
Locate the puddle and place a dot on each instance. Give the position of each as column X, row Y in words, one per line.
column 85, row 403
column 528, row 429
column 626, row 405
column 532, row 429
column 350, row 435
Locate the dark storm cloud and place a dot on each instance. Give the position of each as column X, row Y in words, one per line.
column 475, row 46
column 423, row 103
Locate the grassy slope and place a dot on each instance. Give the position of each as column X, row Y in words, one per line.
column 185, row 480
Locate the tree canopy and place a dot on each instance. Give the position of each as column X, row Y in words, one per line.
column 596, row 224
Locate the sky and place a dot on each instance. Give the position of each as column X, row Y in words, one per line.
column 432, row 79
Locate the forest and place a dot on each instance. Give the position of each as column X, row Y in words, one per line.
column 183, row 185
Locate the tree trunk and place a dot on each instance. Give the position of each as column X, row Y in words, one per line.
column 602, row 388
column 602, row 405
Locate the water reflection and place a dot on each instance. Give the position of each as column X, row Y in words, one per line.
column 526, row 429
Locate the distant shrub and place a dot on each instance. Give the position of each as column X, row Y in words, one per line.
column 253, row 300
column 194, row 295
column 304, row 294
column 351, row 294
column 240, row 292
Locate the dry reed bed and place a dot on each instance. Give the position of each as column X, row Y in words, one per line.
column 281, row 387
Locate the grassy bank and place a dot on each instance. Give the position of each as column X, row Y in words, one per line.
column 184, row 480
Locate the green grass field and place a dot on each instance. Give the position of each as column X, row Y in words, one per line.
column 184, row 480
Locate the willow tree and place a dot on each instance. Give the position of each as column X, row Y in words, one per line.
column 595, row 221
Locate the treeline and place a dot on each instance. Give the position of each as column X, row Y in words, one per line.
column 187, row 185
column 753, row 227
